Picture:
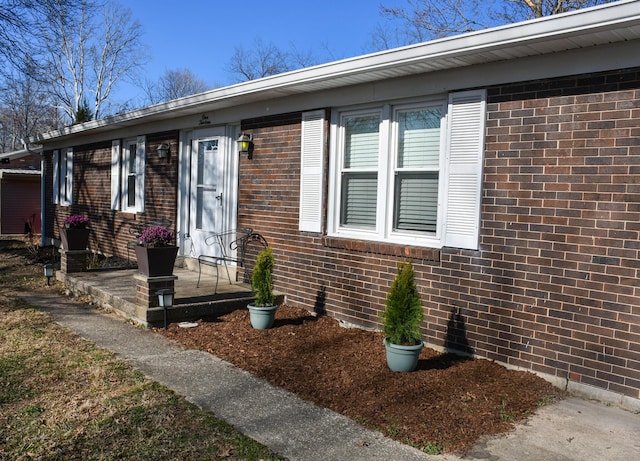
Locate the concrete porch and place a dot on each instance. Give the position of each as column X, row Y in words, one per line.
column 116, row 290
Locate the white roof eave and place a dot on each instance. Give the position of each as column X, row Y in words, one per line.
column 609, row 23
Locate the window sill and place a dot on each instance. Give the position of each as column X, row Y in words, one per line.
column 387, row 249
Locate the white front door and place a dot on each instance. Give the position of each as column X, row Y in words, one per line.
column 209, row 196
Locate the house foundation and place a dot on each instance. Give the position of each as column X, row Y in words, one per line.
column 147, row 288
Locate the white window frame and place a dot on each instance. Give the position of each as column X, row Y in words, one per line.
column 63, row 177
column 388, row 134
column 460, row 169
column 121, row 153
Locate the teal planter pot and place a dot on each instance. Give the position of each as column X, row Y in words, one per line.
column 402, row 358
column 262, row 317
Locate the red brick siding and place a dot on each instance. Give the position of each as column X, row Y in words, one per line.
column 92, row 194
column 554, row 286
column 560, row 230
column 26, row 162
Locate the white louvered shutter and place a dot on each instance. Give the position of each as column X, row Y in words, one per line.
column 115, row 175
column 464, row 169
column 311, row 174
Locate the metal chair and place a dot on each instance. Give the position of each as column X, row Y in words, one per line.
column 238, row 243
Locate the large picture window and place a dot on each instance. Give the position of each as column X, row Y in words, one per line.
column 389, row 171
column 408, row 173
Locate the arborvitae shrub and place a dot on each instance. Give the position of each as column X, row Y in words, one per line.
column 262, row 278
column 403, row 312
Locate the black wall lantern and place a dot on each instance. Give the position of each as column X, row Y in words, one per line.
column 245, row 145
column 163, row 150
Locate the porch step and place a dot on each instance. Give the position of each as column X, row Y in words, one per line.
column 199, row 309
column 115, row 290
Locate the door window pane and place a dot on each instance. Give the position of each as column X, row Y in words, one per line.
column 207, row 186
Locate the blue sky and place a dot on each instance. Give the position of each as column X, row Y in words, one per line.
column 202, row 35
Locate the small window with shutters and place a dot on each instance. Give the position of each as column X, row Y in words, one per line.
column 63, row 177
column 127, row 175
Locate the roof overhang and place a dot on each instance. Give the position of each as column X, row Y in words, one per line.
column 17, row 172
column 591, row 27
column 21, row 153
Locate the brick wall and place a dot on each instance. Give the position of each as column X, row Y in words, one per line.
column 26, row 162
column 554, row 286
column 92, row 194
column 561, row 219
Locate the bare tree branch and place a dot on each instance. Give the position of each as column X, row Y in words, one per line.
column 423, row 20
column 89, row 54
column 175, row 83
column 265, row 59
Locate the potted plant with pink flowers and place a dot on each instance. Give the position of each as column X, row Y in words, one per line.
column 156, row 251
column 75, row 232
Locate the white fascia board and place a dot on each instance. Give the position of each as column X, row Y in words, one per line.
column 587, row 27
column 17, row 172
column 21, row 153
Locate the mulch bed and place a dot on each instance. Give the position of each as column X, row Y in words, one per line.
column 448, row 404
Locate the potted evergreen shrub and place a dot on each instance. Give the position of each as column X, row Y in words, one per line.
column 156, row 252
column 401, row 321
column 262, row 311
column 74, row 233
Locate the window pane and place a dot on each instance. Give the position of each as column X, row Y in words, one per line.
column 131, row 156
column 361, row 142
column 131, row 190
column 359, row 199
column 419, row 138
column 64, row 179
column 133, row 153
column 416, row 198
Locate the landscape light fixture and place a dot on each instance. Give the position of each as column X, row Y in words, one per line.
column 245, row 145
column 163, row 150
column 48, row 272
column 165, row 299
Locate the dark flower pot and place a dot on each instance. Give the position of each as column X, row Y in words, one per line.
column 74, row 239
column 156, row 262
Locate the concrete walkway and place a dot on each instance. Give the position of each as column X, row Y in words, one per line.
column 573, row 429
